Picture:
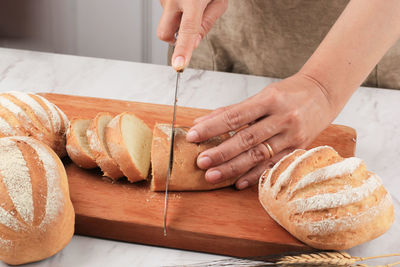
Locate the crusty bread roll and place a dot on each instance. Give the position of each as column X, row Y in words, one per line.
column 36, row 213
column 326, row 201
column 129, row 141
column 96, row 138
column 77, row 144
column 27, row 114
column 186, row 176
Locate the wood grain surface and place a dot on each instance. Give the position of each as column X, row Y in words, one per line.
column 226, row 221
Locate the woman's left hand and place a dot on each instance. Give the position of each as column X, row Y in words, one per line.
column 285, row 115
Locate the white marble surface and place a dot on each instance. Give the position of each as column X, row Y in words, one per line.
column 374, row 113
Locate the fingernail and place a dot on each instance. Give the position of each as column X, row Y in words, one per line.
column 179, row 63
column 213, row 176
column 198, row 40
column 192, row 136
column 243, row 184
column 204, row 162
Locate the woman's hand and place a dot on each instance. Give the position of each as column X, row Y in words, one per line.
column 192, row 19
column 286, row 115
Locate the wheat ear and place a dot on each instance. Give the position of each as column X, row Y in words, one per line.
column 329, row 259
column 319, row 259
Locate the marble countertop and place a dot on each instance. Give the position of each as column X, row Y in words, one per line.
column 374, row 113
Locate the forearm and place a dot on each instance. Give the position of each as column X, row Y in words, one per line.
column 354, row 45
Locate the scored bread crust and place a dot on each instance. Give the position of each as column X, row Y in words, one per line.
column 186, row 176
column 107, row 164
column 37, row 216
column 74, row 147
column 326, row 201
column 28, row 114
column 119, row 150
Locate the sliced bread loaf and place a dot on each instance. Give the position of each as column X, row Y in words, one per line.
column 77, row 144
column 129, row 141
column 185, row 176
column 97, row 143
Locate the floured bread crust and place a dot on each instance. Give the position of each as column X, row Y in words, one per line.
column 36, row 214
column 326, row 201
column 28, row 114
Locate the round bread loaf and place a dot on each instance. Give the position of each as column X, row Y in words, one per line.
column 36, row 213
column 326, row 201
column 27, row 114
column 186, row 176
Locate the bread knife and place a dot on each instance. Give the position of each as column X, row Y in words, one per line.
column 171, row 150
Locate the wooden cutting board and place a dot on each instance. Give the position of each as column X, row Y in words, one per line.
column 225, row 221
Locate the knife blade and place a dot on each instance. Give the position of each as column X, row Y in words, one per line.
column 171, row 151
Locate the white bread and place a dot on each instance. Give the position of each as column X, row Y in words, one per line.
column 129, row 141
column 27, row 114
column 96, row 138
column 36, row 213
column 326, row 201
column 186, row 176
column 77, row 144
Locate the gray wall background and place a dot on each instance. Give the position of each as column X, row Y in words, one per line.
column 115, row 29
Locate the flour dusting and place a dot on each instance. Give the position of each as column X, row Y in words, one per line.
column 5, row 128
column 346, row 223
column 344, row 167
column 5, row 244
column 284, row 178
column 55, row 118
column 344, row 197
column 268, row 181
column 34, row 105
column 16, row 178
column 9, row 220
column 93, row 141
column 14, row 109
column 54, row 201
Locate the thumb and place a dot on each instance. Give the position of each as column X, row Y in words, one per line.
column 188, row 37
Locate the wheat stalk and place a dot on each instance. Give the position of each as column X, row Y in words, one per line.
column 319, row 259
column 329, row 259
column 325, row 259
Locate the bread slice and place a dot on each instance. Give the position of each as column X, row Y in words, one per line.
column 97, row 143
column 186, row 176
column 77, row 144
column 129, row 141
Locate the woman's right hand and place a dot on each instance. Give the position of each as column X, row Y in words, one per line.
column 192, row 19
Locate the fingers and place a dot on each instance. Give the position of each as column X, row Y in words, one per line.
column 169, row 22
column 188, row 36
column 243, row 165
column 212, row 114
column 251, row 178
column 244, row 140
column 228, row 120
column 239, row 165
column 194, row 19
